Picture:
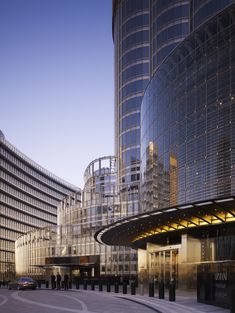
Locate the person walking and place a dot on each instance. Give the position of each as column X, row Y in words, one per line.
column 66, row 281
column 58, row 281
column 53, row 284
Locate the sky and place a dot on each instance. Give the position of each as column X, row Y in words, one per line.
column 57, row 82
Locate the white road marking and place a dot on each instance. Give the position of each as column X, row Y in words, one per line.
column 16, row 296
column 5, row 299
column 83, row 305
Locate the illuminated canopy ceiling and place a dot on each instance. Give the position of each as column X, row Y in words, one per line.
column 132, row 231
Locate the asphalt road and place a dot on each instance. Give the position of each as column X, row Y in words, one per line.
column 51, row 301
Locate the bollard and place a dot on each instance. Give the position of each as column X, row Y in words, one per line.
column 108, row 287
column 92, row 285
column 133, row 289
column 39, row 284
column 85, row 285
column 124, row 288
column 172, row 291
column 47, row 284
column 161, row 290
column 151, row 289
column 141, row 289
column 116, row 287
column 70, row 284
column 77, row 284
column 232, row 303
column 100, row 286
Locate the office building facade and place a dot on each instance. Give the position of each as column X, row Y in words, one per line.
column 29, row 196
column 187, row 120
column 186, row 232
column 144, row 33
column 70, row 245
column 131, row 37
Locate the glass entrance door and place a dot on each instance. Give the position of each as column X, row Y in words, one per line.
column 164, row 264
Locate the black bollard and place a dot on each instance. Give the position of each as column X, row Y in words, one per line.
column 92, row 285
column 161, row 290
column 116, row 287
column 108, row 287
column 77, row 284
column 70, row 284
column 133, row 288
column 100, row 286
column 124, row 288
column 39, row 283
column 85, row 285
column 47, row 284
column 232, row 302
column 151, row 289
column 172, row 291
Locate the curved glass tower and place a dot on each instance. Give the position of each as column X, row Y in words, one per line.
column 144, row 33
column 70, row 245
column 131, row 36
column 187, row 120
column 203, row 10
column 170, row 23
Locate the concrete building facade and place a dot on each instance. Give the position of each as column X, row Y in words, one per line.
column 29, row 196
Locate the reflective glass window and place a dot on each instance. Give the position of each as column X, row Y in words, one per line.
column 129, row 7
column 134, row 87
column 130, row 121
column 130, row 138
column 135, row 39
column 131, row 105
column 208, row 9
column 131, row 157
column 135, row 71
column 135, row 55
column 134, row 23
column 162, row 4
column 179, row 30
column 171, row 15
column 160, row 56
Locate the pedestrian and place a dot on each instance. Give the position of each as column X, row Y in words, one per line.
column 66, row 281
column 58, row 281
column 53, row 283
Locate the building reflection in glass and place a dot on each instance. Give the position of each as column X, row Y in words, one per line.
column 187, row 113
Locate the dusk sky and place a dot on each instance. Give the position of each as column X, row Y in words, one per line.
column 57, row 82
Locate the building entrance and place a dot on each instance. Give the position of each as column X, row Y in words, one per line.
column 164, row 263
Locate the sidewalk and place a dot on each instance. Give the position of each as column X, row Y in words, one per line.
column 186, row 301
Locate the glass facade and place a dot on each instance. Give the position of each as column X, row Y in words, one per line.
column 131, row 22
column 71, row 243
column 170, row 24
column 179, row 127
column 29, row 196
column 203, row 10
column 188, row 120
column 187, row 141
column 144, row 33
